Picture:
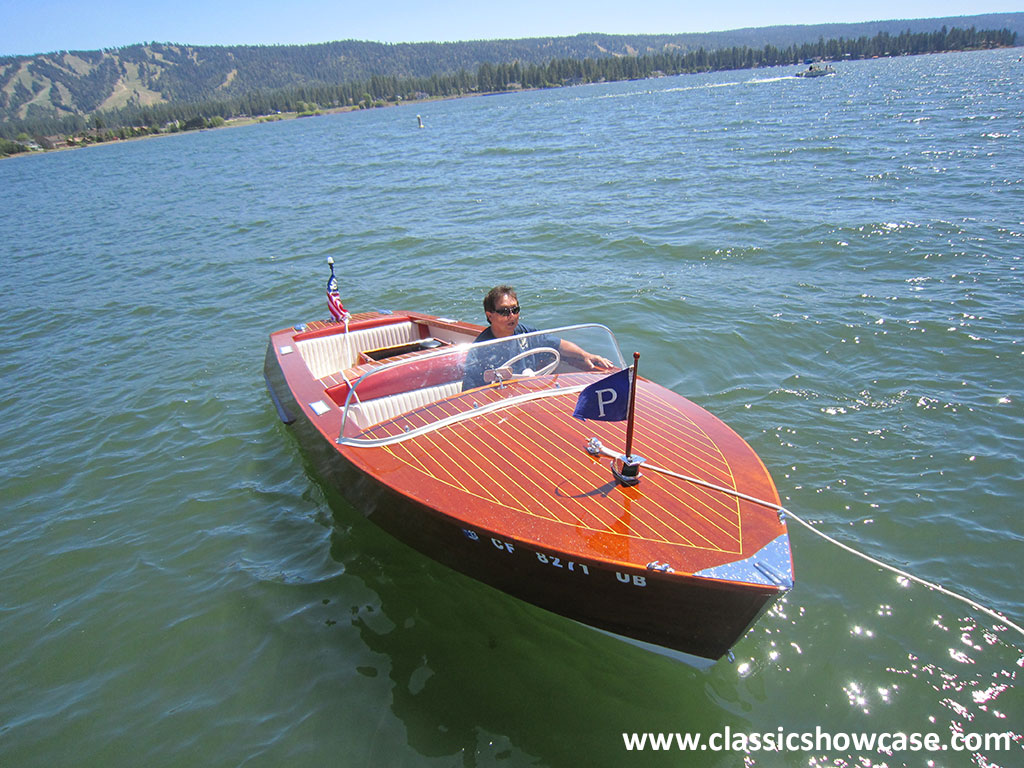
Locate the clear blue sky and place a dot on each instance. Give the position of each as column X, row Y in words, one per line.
column 42, row 26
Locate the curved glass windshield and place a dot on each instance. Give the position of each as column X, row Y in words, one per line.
column 429, row 388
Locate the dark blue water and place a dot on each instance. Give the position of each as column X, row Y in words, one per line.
column 832, row 266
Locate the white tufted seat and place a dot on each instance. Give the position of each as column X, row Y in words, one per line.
column 330, row 354
column 370, row 412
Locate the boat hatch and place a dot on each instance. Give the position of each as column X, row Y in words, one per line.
column 383, row 353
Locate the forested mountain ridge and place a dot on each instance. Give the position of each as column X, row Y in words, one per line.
column 66, row 83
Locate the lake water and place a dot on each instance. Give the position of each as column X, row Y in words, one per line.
column 832, row 266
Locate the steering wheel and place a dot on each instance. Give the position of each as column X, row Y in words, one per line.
column 536, row 350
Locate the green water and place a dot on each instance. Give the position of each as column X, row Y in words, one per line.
column 832, row 266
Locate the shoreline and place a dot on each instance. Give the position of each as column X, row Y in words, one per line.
column 241, row 122
column 81, row 141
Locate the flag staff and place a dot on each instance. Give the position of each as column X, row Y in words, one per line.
column 626, row 468
column 613, row 398
column 632, row 406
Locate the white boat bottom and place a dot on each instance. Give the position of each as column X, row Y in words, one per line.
column 697, row 662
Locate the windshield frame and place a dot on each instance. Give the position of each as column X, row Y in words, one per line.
column 352, row 396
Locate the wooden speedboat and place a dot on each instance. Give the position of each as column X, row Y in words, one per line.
column 502, row 483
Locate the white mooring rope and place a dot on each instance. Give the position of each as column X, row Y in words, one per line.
column 931, row 585
column 595, row 447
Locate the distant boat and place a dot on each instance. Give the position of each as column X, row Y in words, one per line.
column 816, row 70
column 501, row 483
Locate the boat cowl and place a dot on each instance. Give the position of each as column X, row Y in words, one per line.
column 771, row 565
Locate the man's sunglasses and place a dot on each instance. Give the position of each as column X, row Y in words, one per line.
column 507, row 311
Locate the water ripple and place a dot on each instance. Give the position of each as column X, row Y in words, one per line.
column 833, row 267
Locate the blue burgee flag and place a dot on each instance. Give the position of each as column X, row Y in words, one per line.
column 607, row 399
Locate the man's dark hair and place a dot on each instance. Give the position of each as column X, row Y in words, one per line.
column 491, row 299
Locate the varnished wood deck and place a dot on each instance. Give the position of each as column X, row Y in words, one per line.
column 525, row 470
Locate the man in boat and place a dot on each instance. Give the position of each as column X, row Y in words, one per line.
column 501, row 306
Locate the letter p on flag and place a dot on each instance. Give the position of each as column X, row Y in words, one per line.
column 606, row 399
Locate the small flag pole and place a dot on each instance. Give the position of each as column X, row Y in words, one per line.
column 626, row 468
column 632, row 406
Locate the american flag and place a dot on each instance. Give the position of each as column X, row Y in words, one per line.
column 334, row 298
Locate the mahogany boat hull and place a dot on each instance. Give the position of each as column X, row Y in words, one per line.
column 679, row 614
